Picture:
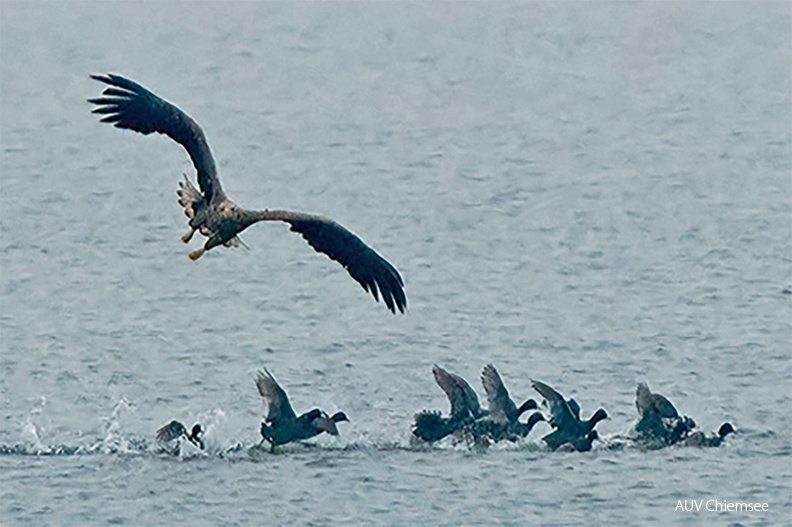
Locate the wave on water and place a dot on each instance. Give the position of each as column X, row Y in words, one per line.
column 137, row 445
column 221, row 443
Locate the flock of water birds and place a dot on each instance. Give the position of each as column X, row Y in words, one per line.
column 128, row 105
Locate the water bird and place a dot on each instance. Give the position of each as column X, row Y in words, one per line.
column 698, row 438
column 468, row 419
column 565, row 418
column 502, row 421
column 501, row 407
column 484, row 431
column 281, row 425
column 128, row 105
column 659, row 423
column 175, row 430
column 581, row 444
column 430, row 425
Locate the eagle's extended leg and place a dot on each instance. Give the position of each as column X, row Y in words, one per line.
column 187, row 237
column 214, row 241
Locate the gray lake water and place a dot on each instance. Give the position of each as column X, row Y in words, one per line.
column 590, row 194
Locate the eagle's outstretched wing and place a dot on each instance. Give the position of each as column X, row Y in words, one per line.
column 129, row 105
column 373, row 272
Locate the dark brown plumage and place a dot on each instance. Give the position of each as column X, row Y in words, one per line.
column 126, row 104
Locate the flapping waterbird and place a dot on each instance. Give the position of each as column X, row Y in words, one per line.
column 128, row 105
column 467, row 419
column 659, row 422
column 648, row 402
column 501, row 407
column 175, row 430
column 565, row 418
column 430, row 425
column 281, row 425
column 502, row 421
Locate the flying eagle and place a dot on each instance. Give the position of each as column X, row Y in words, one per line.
column 126, row 104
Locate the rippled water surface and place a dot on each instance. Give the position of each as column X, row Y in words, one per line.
column 590, row 194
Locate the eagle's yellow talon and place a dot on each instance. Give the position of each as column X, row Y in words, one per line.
column 187, row 237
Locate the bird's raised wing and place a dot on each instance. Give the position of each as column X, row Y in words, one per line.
column 664, row 407
column 645, row 401
column 127, row 104
column 373, row 272
column 574, row 407
column 275, row 398
column 562, row 416
column 643, row 398
column 501, row 406
column 460, row 394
